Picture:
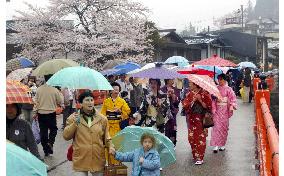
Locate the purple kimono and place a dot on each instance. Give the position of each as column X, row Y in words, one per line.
column 170, row 127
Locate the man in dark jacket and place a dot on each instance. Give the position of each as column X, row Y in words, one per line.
column 136, row 96
column 19, row 131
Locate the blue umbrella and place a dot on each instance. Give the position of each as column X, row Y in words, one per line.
column 22, row 162
column 181, row 61
column 20, row 62
column 25, row 62
column 126, row 67
column 108, row 72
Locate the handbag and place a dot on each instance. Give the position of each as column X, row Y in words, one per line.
column 197, row 108
column 114, row 170
column 70, row 153
column 36, row 130
column 208, row 120
column 123, row 123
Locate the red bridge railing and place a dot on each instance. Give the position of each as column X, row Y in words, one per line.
column 267, row 135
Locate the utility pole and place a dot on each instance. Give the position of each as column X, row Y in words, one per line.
column 242, row 9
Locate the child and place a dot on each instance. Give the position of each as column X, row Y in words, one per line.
column 145, row 160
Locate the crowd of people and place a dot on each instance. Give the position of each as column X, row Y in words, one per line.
column 132, row 101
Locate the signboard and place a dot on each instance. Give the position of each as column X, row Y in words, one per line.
column 234, row 20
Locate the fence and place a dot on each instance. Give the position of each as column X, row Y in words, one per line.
column 267, row 135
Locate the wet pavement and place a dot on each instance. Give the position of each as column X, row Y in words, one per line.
column 237, row 160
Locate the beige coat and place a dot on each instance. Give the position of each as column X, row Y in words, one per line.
column 89, row 143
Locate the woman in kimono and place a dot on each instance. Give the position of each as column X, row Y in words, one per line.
column 154, row 109
column 196, row 103
column 115, row 109
column 222, row 110
column 174, row 99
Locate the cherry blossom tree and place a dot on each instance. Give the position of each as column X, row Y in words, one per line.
column 99, row 30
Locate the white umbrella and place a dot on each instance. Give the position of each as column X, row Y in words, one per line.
column 19, row 74
column 246, row 65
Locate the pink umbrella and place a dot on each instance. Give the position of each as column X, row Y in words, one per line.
column 206, row 83
column 216, row 61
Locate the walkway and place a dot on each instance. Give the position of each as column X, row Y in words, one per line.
column 237, row 160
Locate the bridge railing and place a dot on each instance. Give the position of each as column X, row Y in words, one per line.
column 267, row 135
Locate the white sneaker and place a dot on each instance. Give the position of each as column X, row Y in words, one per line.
column 222, row 148
column 199, row 162
column 215, row 149
column 161, row 169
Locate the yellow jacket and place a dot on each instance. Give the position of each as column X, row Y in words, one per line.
column 88, row 142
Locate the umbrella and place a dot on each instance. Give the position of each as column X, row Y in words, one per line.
column 158, row 72
column 196, row 71
column 216, row 61
column 17, row 92
column 109, row 71
column 126, row 67
column 246, row 65
column 149, row 65
column 80, row 78
column 53, row 66
column 22, row 162
column 112, row 63
column 19, row 74
column 181, row 61
column 128, row 139
column 206, row 83
column 17, row 63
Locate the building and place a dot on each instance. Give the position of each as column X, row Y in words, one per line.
column 263, row 26
column 174, row 45
column 210, row 44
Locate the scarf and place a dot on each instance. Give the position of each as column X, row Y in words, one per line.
column 86, row 115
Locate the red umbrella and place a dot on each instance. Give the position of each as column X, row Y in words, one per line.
column 197, row 71
column 17, row 92
column 206, row 83
column 216, row 61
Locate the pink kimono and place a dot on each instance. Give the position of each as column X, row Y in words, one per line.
column 222, row 111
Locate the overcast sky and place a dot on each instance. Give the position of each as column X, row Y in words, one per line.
column 167, row 13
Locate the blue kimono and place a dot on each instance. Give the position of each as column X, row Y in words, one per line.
column 150, row 166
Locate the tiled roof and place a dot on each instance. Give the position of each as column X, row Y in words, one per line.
column 199, row 40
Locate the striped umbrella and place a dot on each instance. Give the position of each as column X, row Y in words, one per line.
column 206, row 83
column 20, row 62
column 17, row 92
column 19, row 74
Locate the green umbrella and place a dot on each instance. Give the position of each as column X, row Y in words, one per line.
column 22, row 162
column 53, row 66
column 79, row 78
column 128, row 139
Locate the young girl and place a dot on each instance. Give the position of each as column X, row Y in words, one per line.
column 145, row 160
